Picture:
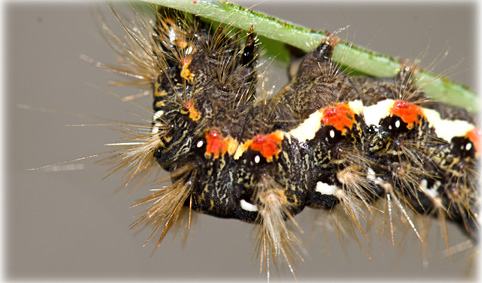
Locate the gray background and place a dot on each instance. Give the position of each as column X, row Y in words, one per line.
column 71, row 225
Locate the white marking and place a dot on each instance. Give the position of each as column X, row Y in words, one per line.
column 372, row 177
column 423, row 184
column 432, row 192
column 189, row 50
column 397, row 124
column 307, row 130
column 257, row 159
column 248, row 206
column 434, row 195
column 374, row 113
column 157, row 115
column 172, row 35
column 332, row 134
column 325, row 189
column 356, row 106
column 371, row 174
column 447, row 129
column 468, row 146
column 155, row 128
column 200, row 144
column 239, row 151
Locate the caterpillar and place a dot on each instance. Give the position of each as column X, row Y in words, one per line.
column 301, row 215
column 326, row 139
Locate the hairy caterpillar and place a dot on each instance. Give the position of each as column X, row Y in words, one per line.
column 299, row 268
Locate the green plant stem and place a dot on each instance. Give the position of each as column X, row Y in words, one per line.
column 359, row 59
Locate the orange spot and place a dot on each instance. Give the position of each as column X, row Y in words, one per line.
column 268, row 145
column 475, row 136
column 193, row 113
column 216, row 145
column 341, row 117
column 408, row 112
column 182, row 44
column 185, row 72
column 168, row 21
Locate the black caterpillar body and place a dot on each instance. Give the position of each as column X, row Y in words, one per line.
column 326, row 139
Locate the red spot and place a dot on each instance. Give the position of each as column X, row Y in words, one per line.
column 186, row 61
column 216, row 145
column 194, row 2
column 193, row 113
column 189, row 105
column 475, row 136
column 213, row 133
column 268, row 145
column 408, row 112
column 341, row 117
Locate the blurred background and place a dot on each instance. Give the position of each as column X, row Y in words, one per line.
column 67, row 222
